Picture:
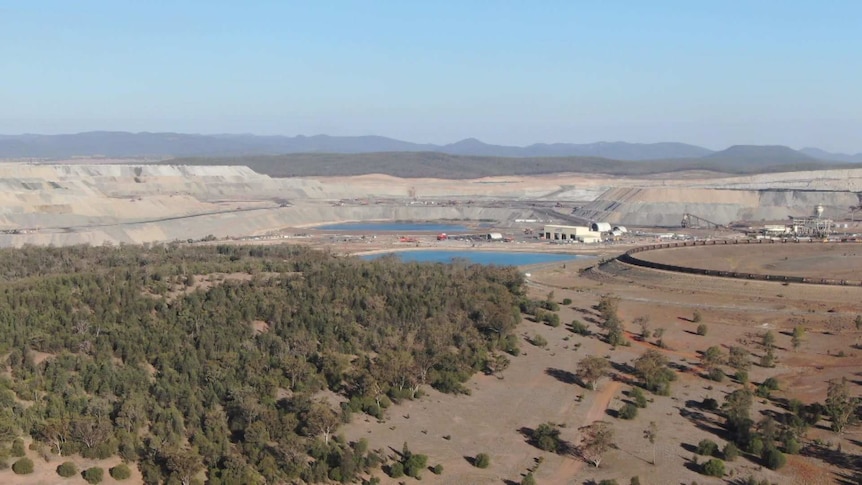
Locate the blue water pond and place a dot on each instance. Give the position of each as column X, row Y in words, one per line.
column 501, row 258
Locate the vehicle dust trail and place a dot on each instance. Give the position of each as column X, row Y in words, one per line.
column 570, row 467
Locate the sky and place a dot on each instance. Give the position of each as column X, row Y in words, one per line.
column 713, row 72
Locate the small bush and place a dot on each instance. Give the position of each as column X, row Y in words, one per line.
column 701, row 329
column 528, row 480
column 567, row 301
column 538, row 341
column 94, row 475
column 713, row 468
column 696, row 317
column 551, row 319
column 741, row 376
column 17, row 448
column 482, row 460
column 580, row 328
column 638, row 397
column 608, row 482
column 437, row 470
column 629, row 411
column 635, row 481
column 396, row 470
column 716, row 374
column 730, row 451
column 755, row 446
column 771, row 384
column 706, row 447
column 67, row 469
column 24, row 466
column 773, row 459
column 120, row 472
column 792, row 447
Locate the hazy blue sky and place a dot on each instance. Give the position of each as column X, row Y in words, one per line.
column 710, row 72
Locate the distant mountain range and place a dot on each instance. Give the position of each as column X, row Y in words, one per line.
column 168, row 145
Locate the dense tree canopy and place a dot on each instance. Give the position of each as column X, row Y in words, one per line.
column 212, row 358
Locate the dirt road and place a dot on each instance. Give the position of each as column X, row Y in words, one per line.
column 570, row 467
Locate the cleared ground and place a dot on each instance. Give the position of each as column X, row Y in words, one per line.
column 817, row 260
column 538, row 386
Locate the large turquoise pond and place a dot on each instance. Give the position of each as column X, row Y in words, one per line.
column 501, row 258
column 408, row 227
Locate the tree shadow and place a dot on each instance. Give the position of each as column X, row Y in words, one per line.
column 693, row 466
column 565, row 376
column 623, row 367
column 688, row 447
column 840, row 459
column 686, row 319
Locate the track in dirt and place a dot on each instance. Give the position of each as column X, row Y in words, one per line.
column 570, row 467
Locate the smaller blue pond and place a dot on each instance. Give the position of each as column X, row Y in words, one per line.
column 501, row 258
column 395, row 227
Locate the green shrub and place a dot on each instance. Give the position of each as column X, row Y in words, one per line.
column 67, row 469
column 438, row 469
column 713, row 468
column 94, row 475
column 482, row 460
column 791, row 446
column 415, row 464
column 696, row 317
column 528, row 480
column 396, row 470
column 608, row 482
column 629, row 411
column 755, row 446
column 580, row 328
column 120, row 472
column 567, row 301
column 638, row 397
column 773, row 459
column 551, row 319
column 24, row 466
column 701, row 329
column 730, row 451
column 741, row 376
column 716, row 374
column 17, row 448
column 706, row 447
column 538, row 341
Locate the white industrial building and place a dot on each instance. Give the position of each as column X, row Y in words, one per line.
column 571, row 233
column 600, row 227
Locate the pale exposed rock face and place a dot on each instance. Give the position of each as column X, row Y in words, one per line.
column 68, row 203
column 663, row 206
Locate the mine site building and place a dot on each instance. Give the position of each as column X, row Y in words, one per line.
column 600, row 227
column 571, row 233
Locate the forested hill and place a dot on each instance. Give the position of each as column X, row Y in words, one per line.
column 188, row 361
column 441, row 165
